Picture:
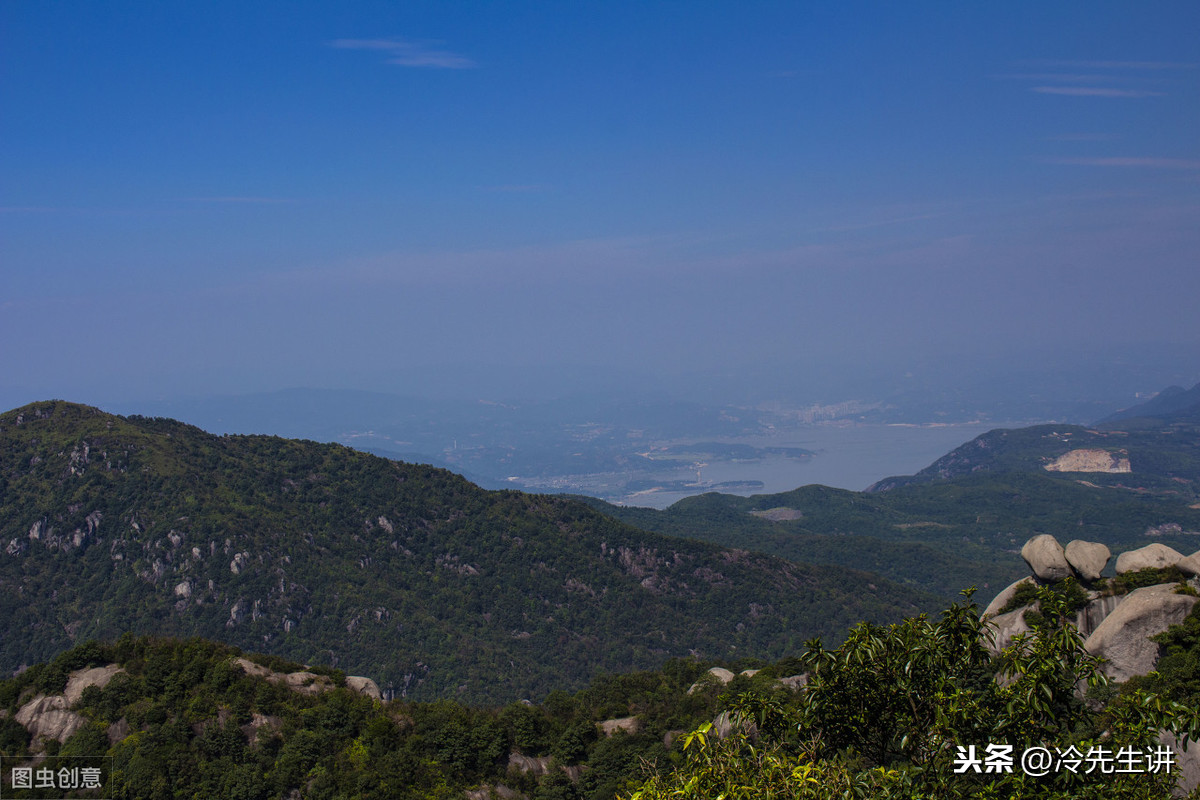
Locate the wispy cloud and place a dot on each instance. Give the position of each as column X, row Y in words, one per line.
column 1157, row 163
column 516, row 188
column 1084, row 137
column 1140, row 65
column 407, row 53
column 1121, row 79
column 1094, row 91
column 1062, row 77
column 240, row 199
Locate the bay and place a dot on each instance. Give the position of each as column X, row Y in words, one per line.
column 847, row 456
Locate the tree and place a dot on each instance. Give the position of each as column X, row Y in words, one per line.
column 893, row 711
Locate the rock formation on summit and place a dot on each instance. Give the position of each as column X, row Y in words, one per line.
column 1088, row 559
column 1045, row 557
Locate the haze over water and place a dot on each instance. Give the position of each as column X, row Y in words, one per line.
column 848, row 457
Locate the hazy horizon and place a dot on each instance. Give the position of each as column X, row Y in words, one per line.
column 775, row 202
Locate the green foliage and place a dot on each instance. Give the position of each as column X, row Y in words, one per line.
column 881, row 718
column 322, row 555
column 885, row 712
column 1151, row 576
column 14, row 739
column 186, row 720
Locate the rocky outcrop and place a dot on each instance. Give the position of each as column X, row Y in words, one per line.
column 717, row 675
column 795, row 682
column 610, row 727
column 1006, row 595
column 364, row 686
column 1088, row 559
column 528, row 764
column 49, row 717
column 306, row 682
column 1046, row 558
column 81, row 679
column 1190, row 565
column 1187, row 764
column 1122, row 639
column 1152, row 556
column 1006, row 628
column 1088, row 618
column 721, row 674
column 258, row 722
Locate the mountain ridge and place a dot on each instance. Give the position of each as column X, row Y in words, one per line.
column 405, row 573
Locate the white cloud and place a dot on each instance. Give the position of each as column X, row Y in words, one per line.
column 1158, row 163
column 405, row 53
column 1094, row 91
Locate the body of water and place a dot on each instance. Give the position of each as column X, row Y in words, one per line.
column 847, row 457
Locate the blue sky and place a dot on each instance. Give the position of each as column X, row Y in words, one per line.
column 246, row 196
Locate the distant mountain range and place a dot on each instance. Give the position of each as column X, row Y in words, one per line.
column 1173, row 404
column 1154, row 445
column 624, row 445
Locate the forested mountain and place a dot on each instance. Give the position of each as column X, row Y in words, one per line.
column 405, row 573
column 1152, row 447
column 170, row 719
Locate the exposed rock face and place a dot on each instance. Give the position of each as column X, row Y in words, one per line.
column 722, row 725
column 1008, row 626
column 1187, row 764
column 364, row 686
column 306, row 682
column 48, row 718
column 81, row 679
column 1006, row 594
column 534, row 766
column 1152, row 556
column 1088, row 559
column 795, row 682
column 1095, row 612
column 259, row 721
column 1190, row 565
column 1090, row 461
column 250, row 668
column 1045, row 557
column 1123, row 637
column 609, row 727
column 719, row 674
column 302, row 682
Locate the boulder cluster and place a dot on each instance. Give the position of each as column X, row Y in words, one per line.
column 1049, row 561
column 1117, row 627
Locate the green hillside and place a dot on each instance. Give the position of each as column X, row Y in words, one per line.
column 180, row 719
column 1162, row 455
column 960, row 522
column 405, row 573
